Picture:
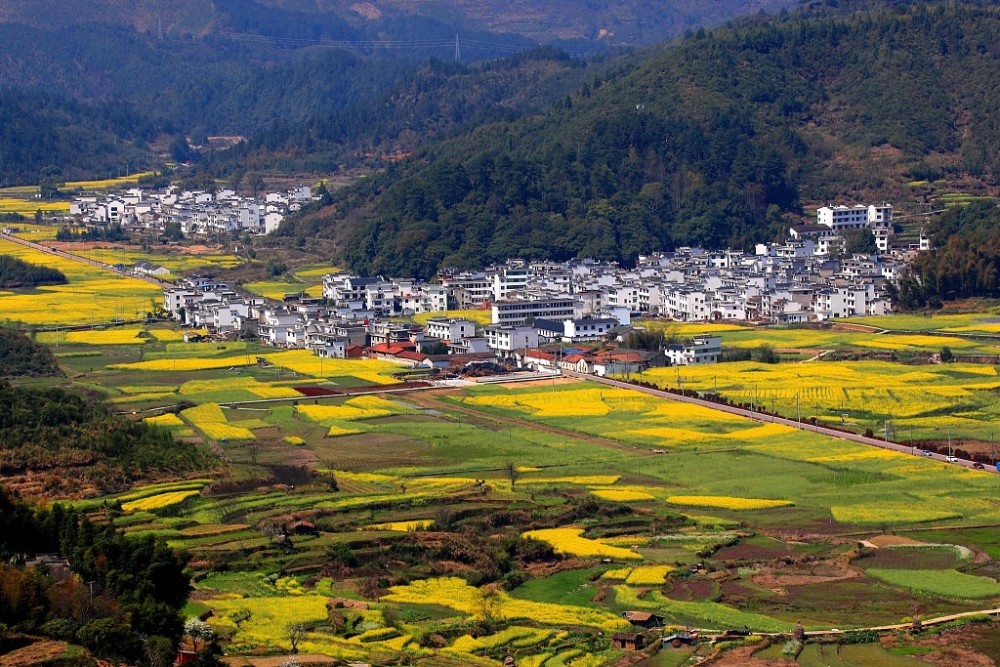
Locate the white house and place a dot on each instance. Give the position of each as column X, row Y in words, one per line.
column 700, row 350
column 452, row 329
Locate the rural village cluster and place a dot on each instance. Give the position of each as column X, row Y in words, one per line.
column 533, row 305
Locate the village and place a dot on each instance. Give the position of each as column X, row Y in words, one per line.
column 543, row 315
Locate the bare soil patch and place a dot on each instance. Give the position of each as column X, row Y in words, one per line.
column 969, row 646
column 743, row 657
column 778, row 580
column 33, row 654
column 893, row 541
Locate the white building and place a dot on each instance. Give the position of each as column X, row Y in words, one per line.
column 504, row 340
column 452, row 329
column 701, row 350
column 522, row 309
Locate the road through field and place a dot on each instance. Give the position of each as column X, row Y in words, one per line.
column 83, row 260
column 762, row 417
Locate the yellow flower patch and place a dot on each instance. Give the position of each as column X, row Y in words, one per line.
column 167, row 420
column 93, row 337
column 622, row 495
column 167, row 335
column 728, row 502
column 404, row 526
column 617, row 574
column 211, row 420
column 571, row 541
column 583, row 480
column 185, row 364
column 649, row 575
column 158, row 501
column 337, row 431
column 322, row 413
column 270, row 391
column 294, row 440
column 872, row 453
column 307, row 363
column 459, row 595
column 627, row 540
column 225, row 431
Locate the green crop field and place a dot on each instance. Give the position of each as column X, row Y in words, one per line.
column 417, row 522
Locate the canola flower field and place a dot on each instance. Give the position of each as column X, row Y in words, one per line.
column 177, row 262
column 918, row 401
column 92, row 296
column 308, row 279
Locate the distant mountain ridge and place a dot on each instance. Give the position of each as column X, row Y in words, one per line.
column 617, row 22
column 712, row 143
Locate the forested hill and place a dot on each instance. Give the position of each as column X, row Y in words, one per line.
column 592, row 24
column 708, row 143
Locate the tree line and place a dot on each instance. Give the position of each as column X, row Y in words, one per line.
column 52, row 429
column 122, row 601
column 16, row 273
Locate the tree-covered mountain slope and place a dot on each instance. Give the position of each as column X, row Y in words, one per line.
column 596, row 23
column 712, row 142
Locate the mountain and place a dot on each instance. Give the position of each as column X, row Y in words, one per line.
column 587, row 25
column 715, row 142
column 313, row 84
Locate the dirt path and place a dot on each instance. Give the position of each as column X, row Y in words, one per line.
column 817, row 357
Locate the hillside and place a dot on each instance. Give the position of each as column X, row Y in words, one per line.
column 715, row 142
column 587, row 25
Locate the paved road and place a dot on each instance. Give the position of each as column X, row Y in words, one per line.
column 83, row 260
column 761, row 417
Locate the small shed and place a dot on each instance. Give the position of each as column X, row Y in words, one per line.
column 630, row 641
column 643, row 619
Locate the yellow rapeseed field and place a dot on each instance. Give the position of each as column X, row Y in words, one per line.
column 729, row 503
column 457, row 594
column 649, row 575
column 107, row 183
column 403, row 526
column 584, row 480
column 307, row 363
column 623, row 495
column 480, row 317
column 571, row 541
column 93, row 295
column 93, row 337
column 27, row 208
column 211, row 420
column 261, row 389
column 337, row 431
column 158, row 501
column 167, row 420
column 167, row 335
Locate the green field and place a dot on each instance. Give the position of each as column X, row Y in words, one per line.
column 417, row 515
